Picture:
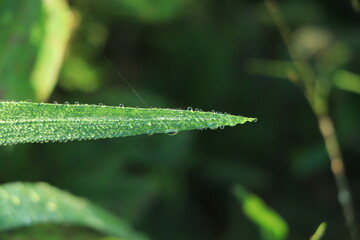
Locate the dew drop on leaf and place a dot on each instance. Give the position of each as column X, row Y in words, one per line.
column 171, row 132
column 213, row 126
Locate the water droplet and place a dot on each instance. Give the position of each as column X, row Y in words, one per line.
column 29, row 100
column 255, row 120
column 50, row 206
column 171, row 132
column 196, row 109
column 213, row 126
column 100, row 104
column 222, row 127
column 213, row 111
column 121, row 105
column 55, row 102
column 76, row 103
column 190, row 109
column 67, row 103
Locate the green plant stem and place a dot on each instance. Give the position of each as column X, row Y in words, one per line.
column 304, row 69
column 328, row 132
column 318, row 102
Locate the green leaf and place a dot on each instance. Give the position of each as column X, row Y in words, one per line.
column 26, row 122
column 319, row 233
column 272, row 68
column 24, row 204
column 33, row 40
column 20, row 38
column 347, row 81
column 58, row 24
column 271, row 225
column 54, row 232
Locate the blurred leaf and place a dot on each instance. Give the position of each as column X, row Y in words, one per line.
column 24, row 204
column 58, row 23
column 347, row 81
column 309, row 41
column 271, row 68
column 356, row 5
column 21, row 34
column 34, row 36
column 54, row 232
column 319, row 233
column 271, row 225
column 24, row 122
column 111, row 238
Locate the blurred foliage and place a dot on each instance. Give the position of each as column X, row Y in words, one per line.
column 53, row 232
column 25, row 204
column 198, row 54
column 319, row 233
column 356, row 5
column 271, row 225
column 347, row 81
column 33, row 43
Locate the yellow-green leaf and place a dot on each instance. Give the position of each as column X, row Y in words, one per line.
column 319, row 233
column 271, row 224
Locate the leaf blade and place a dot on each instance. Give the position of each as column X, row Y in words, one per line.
column 24, row 204
column 320, row 231
column 270, row 223
column 25, row 122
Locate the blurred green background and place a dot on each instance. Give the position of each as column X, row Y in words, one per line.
column 215, row 55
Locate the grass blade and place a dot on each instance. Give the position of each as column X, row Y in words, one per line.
column 271, row 225
column 58, row 23
column 319, row 233
column 26, row 122
column 34, row 38
column 24, row 204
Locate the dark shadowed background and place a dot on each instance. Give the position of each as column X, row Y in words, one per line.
column 226, row 56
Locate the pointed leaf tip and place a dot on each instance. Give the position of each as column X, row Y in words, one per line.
column 27, row 122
